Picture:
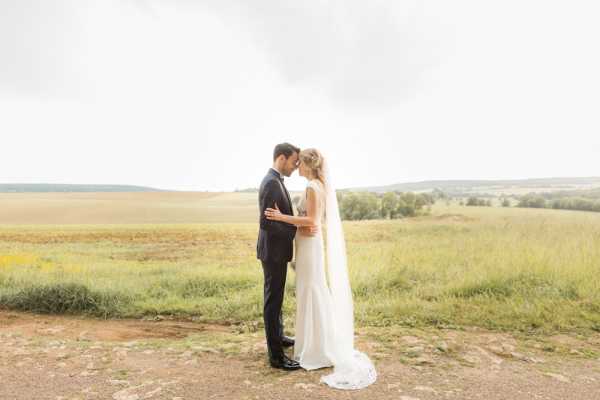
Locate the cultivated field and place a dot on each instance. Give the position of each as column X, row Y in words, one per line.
column 127, row 208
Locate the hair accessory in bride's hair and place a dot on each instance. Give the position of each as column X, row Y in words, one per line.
column 312, row 157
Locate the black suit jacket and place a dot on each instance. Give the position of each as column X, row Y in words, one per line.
column 275, row 238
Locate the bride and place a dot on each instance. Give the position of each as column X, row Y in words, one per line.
column 324, row 312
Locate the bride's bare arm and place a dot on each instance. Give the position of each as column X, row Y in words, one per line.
column 310, row 219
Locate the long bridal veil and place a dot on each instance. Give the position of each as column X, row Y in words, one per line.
column 352, row 369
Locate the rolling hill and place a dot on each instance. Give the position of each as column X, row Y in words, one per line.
column 70, row 188
column 516, row 186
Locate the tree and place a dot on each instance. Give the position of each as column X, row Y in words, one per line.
column 359, row 206
column 532, row 201
column 389, row 205
column 472, row 201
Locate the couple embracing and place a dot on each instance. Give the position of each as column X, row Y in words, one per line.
column 324, row 309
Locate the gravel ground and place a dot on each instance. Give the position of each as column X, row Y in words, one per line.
column 58, row 357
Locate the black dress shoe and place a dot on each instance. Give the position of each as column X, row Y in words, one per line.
column 287, row 342
column 286, row 358
column 284, row 363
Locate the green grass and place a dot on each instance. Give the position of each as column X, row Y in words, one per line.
column 64, row 298
column 502, row 269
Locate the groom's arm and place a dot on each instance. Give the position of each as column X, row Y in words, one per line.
column 309, row 220
column 268, row 200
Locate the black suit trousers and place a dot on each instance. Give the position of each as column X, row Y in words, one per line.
column 275, row 273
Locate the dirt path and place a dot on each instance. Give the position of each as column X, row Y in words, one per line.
column 56, row 357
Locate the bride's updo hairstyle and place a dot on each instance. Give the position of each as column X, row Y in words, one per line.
column 315, row 161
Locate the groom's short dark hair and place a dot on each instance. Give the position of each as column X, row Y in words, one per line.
column 286, row 149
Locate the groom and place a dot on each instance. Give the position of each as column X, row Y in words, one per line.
column 275, row 250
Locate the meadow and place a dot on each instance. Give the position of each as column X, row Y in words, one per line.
column 506, row 269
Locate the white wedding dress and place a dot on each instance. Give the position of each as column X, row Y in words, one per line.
column 324, row 320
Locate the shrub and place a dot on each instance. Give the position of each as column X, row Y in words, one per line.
column 64, row 298
column 532, row 201
column 474, row 201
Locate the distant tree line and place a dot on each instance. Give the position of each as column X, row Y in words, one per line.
column 391, row 205
column 593, row 194
column 568, row 203
column 475, row 201
column 246, row 190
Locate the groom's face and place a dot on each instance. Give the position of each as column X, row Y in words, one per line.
column 291, row 164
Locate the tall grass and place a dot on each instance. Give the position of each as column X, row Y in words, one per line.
column 504, row 269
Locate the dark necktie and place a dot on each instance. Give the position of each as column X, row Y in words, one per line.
column 287, row 194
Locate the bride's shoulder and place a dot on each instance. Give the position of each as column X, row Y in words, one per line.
column 315, row 184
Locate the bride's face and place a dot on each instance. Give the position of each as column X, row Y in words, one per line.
column 303, row 170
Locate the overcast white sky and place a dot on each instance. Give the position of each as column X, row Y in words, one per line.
column 193, row 95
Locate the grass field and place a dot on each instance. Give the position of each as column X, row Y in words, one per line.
column 499, row 268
